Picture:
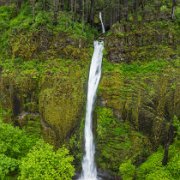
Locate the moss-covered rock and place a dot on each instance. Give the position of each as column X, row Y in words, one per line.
column 55, row 89
column 61, row 98
column 44, row 44
column 129, row 41
column 145, row 95
column 118, row 141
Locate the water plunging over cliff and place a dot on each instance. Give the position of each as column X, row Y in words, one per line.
column 89, row 171
column 100, row 17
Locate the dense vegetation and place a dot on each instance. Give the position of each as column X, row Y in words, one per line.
column 45, row 52
column 31, row 157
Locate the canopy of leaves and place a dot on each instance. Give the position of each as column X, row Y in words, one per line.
column 44, row 163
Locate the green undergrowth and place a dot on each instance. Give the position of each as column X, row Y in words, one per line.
column 22, row 156
column 12, row 20
column 137, row 101
column 15, row 23
column 52, row 88
column 117, row 141
column 152, row 168
column 139, row 67
column 153, row 39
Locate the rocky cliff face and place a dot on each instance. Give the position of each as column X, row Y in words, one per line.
column 137, row 103
column 51, row 95
column 143, row 41
column 44, row 44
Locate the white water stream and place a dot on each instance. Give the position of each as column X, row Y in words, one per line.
column 89, row 171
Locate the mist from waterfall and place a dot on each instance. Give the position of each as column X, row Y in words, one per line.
column 89, row 171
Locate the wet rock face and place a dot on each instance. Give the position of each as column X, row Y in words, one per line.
column 43, row 44
column 128, row 42
column 61, row 101
column 54, row 91
column 135, row 108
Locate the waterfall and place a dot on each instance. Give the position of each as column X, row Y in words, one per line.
column 100, row 17
column 89, row 171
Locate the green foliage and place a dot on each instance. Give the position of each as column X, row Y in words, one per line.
column 127, row 170
column 14, row 144
column 41, row 161
column 13, row 141
column 6, row 13
column 174, row 163
column 153, row 163
column 7, row 165
column 160, row 174
column 123, row 143
column 152, row 169
column 23, row 20
column 177, row 13
column 44, row 163
column 177, row 126
column 138, row 67
column 42, row 19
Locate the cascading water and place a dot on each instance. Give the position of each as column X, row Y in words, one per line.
column 89, row 171
column 100, row 17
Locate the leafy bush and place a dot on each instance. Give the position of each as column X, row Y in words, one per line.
column 161, row 174
column 127, row 170
column 152, row 169
column 152, row 164
column 13, row 141
column 7, row 165
column 44, row 163
column 42, row 19
column 14, row 144
column 6, row 13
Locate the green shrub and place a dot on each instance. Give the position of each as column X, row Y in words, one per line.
column 44, row 163
column 161, row 174
column 153, row 163
column 127, row 170
column 7, row 165
column 13, row 142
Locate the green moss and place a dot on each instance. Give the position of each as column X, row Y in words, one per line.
column 136, row 97
column 62, row 95
column 60, row 86
column 143, row 41
column 117, row 141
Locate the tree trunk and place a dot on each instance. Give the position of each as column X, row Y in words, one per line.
column 170, row 137
column 135, row 9
column 126, row 9
column 91, row 13
column 33, row 8
column 173, row 9
column 55, row 5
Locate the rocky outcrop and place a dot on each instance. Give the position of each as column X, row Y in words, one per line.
column 61, row 100
column 44, row 44
column 127, row 42
column 137, row 103
column 55, row 90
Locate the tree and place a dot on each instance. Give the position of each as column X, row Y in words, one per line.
column 44, row 163
column 127, row 170
column 33, row 2
column 173, row 9
column 91, row 12
column 56, row 8
column 14, row 144
column 7, row 165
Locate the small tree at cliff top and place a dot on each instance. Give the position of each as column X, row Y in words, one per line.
column 44, row 163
